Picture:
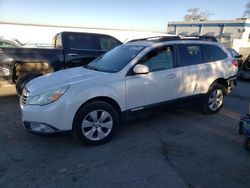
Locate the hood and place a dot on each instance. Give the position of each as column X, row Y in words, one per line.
column 61, row 78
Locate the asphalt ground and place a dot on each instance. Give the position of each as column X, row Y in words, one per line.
column 175, row 148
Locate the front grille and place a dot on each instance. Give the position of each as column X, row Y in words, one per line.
column 24, row 96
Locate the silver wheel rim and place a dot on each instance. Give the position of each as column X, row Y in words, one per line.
column 215, row 99
column 97, row 125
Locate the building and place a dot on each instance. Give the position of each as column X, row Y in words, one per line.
column 232, row 33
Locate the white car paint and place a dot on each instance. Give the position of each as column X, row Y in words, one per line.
column 129, row 92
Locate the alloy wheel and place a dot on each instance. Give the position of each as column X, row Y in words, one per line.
column 97, row 124
column 215, row 99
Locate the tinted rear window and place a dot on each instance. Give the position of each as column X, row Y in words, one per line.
column 190, row 54
column 216, row 54
column 86, row 42
column 206, row 54
column 91, row 42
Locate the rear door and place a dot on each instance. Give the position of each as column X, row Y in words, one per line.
column 191, row 68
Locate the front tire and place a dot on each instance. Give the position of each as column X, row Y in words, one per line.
column 95, row 123
column 214, row 99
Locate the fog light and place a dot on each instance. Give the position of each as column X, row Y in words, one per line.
column 41, row 127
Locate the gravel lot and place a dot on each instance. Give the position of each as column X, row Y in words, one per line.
column 177, row 148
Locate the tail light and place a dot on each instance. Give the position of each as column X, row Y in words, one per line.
column 235, row 63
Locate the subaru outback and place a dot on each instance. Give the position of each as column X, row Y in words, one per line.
column 91, row 101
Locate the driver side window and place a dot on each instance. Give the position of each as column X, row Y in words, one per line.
column 159, row 59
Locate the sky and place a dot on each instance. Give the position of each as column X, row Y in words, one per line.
column 147, row 15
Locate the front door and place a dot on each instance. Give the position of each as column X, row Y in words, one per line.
column 159, row 85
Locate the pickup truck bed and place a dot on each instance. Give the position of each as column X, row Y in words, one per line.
column 26, row 60
column 71, row 49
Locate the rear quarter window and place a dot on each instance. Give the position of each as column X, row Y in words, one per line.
column 216, row 53
column 83, row 42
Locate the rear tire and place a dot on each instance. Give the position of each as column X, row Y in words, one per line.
column 214, row 99
column 23, row 80
column 95, row 123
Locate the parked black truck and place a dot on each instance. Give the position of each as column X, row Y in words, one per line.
column 71, row 49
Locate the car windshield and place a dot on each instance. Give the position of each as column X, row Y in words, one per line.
column 116, row 59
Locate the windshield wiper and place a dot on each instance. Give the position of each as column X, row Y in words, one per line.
column 97, row 69
column 92, row 68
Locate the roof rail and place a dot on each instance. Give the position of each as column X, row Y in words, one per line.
column 202, row 37
column 173, row 38
column 157, row 39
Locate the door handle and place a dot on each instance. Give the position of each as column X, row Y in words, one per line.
column 171, row 76
column 72, row 54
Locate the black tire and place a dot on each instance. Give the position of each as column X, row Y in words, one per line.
column 207, row 104
column 23, row 80
column 84, row 114
column 247, row 143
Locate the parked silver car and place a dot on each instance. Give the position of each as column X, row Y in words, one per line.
column 10, row 43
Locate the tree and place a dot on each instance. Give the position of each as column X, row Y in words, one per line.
column 246, row 13
column 194, row 14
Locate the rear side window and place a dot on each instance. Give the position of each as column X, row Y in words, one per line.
column 108, row 43
column 216, row 53
column 190, row 54
column 83, row 42
column 206, row 55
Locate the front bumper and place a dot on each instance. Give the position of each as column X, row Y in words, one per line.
column 48, row 119
column 41, row 128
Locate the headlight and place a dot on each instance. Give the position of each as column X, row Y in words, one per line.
column 47, row 97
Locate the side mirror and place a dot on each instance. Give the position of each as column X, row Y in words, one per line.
column 141, row 69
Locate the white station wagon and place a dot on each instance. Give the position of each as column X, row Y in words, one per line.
column 132, row 78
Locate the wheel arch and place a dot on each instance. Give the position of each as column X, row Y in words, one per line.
column 77, row 129
column 108, row 100
column 221, row 81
